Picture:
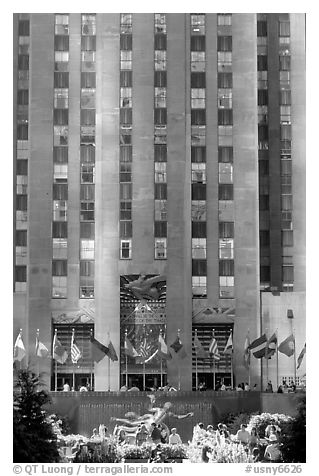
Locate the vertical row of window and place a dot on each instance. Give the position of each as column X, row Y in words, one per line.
column 126, row 122
column 60, row 156
column 263, row 146
column 285, row 151
column 198, row 154
column 160, row 136
column 87, row 154
column 23, row 154
column 225, row 156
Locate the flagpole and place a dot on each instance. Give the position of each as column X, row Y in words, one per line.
column 231, row 363
column 277, row 364
column 92, row 364
column 161, row 363
column 144, row 361
column 55, row 362
column 213, row 365
column 196, row 368
column 249, row 359
column 295, row 369
column 126, row 375
column 109, row 366
column 266, row 357
column 178, row 365
column 36, row 350
column 73, row 371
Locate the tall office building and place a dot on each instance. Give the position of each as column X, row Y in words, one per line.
column 159, row 173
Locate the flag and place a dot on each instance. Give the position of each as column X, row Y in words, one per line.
column 19, row 349
column 258, row 347
column 287, row 346
column 247, row 353
column 301, row 356
column 75, row 351
column 178, row 348
column 199, row 349
column 59, row 352
column 40, row 349
column 112, row 354
column 271, row 346
column 162, row 348
column 213, row 349
column 229, row 346
column 98, row 350
column 143, row 351
column 129, row 349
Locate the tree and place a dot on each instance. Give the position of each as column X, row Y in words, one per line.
column 293, row 438
column 33, row 438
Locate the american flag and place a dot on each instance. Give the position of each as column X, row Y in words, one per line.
column 213, row 349
column 75, row 351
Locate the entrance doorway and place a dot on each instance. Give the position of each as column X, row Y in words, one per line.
column 151, row 381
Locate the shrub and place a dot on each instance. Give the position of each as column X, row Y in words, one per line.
column 134, row 452
column 174, row 451
column 34, row 440
column 293, row 437
column 226, row 453
column 234, row 420
column 261, row 421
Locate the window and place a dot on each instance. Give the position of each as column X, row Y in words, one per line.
column 126, row 79
column 87, row 192
column 199, row 267
column 224, row 19
column 126, row 136
column 160, row 79
column 198, row 191
column 59, row 268
column 61, row 43
column 285, row 132
column 87, row 153
column 284, row 63
column 23, row 62
column 199, row 229
column 126, row 22
column 199, row 286
column 199, row 210
column 60, row 248
column 23, row 97
column 24, row 28
column 22, row 132
column 160, row 245
column 198, row 61
column 160, row 229
column 160, row 97
column 60, row 173
column 160, row 191
column 225, row 154
column 198, row 80
column 262, row 97
column 226, row 287
column 160, row 153
column 86, row 279
column 21, row 238
column 226, row 229
column 160, row 172
column 61, row 24
column 87, row 211
column 61, row 98
column 198, row 173
column 126, row 97
column 125, row 229
column 88, row 80
column 199, row 248
column 20, row 274
column 59, row 229
column 264, row 238
column 60, row 191
column 198, row 116
column 21, row 202
column 87, row 173
column 160, row 41
column 126, row 249
column 225, row 192
column 22, row 167
column 288, row 274
column 87, row 230
column 60, row 117
column 126, row 60
column 198, row 98
column 198, row 154
column 59, row 210
column 126, row 42
column 284, row 28
column 125, row 191
column 224, row 43
column 263, row 202
column 287, row 238
column 262, row 63
column 225, row 117
column 125, row 172
column 88, row 99
column 226, row 210
column 226, row 248
column 125, row 210
column 61, row 80
column 88, row 43
column 87, row 117
column 261, row 28
column 198, row 43
column 225, row 173
column 126, row 153
column 160, row 60
column 160, row 134
column 225, row 98
column 160, row 210
column 225, row 80
column 286, row 202
column 87, row 249
column 160, row 22
column 160, row 116
column 198, row 24
column 226, row 267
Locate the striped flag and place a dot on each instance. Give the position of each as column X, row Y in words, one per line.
column 40, row 349
column 258, row 347
column 75, row 351
column 98, row 350
column 271, row 346
column 247, row 352
column 19, row 349
column 213, row 349
column 229, row 346
column 59, row 353
column 301, row 356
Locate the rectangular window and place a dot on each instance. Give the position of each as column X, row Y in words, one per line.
column 198, row 173
column 88, row 43
column 126, row 153
column 60, row 191
column 198, row 61
column 61, row 24
column 225, row 173
column 199, row 286
column 126, row 97
column 125, row 172
column 160, row 97
column 87, row 211
column 126, row 79
column 288, row 274
column 226, row 229
column 126, row 22
column 87, row 230
column 284, row 63
column 159, row 60
column 199, row 248
column 264, row 237
column 160, row 116
column 126, row 249
column 125, row 229
column 160, row 153
column 61, row 99
column 23, row 97
column 160, row 41
column 284, row 28
column 61, row 43
column 20, row 274
column 226, row 192
column 198, row 154
column 60, row 173
column 60, row 117
column 88, row 24
column 87, row 279
column 60, row 210
column 225, row 80
column 287, row 238
column 198, row 116
column 88, row 80
column 262, row 63
column 88, row 98
column 160, row 172
column 198, row 210
column 59, row 229
column 160, row 22
column 23, row 62
column 160, row 229
column 225, row 117
column 224, row 19
column 22, row 132
column 59, row 267
column 126, row 41
column 160, row 134
column 199, row 229
column 125, row 191
column 198, row 98
column 87, row 154
column 261, row 28
column 21, row 238
column 160, row 210
column 160, row 79
column 226, row 267
column 125, row 60
column 198, row 80
column 160, row 245
column 199, row 267
column 226, row 248
column 21, row 202
column 225, row 154
column 262, row 97
column 87, row 117
column 198, row 43
column 125, row 210
column 22, row 167
column 87, row 249
column 24, row 28
column 198, row 24
column 198, row 191
column 226, row 287
column 61, row 80
column 59, row 287
column 87, row 173
column 226, row 210
column 224, row 43
column 60, row 248
column 225, row 98
column 263, row 202
column 160, row 191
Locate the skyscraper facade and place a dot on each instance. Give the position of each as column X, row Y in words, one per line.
column 159, row 172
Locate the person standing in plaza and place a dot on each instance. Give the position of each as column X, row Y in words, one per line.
column 155, row 434
column 174, row 438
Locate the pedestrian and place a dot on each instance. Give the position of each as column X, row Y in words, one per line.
column 269, row 388
column 155, row 434
column 66, row 386
column 141, row 435
column 253, row 440
column 243, row 435
column 272, row 452
column 174, row 438
column 247, row 387
column 164, row 436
